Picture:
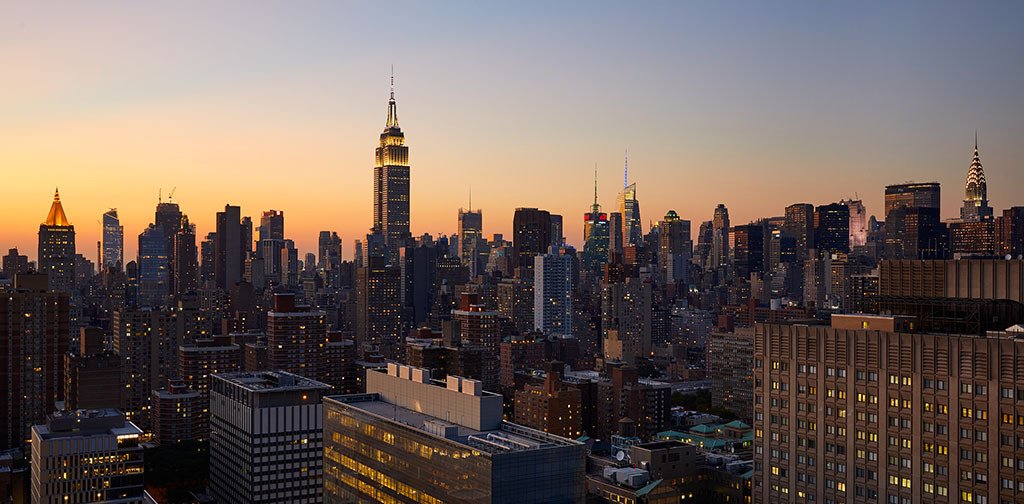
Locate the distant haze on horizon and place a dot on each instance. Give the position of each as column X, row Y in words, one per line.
column 269, row 105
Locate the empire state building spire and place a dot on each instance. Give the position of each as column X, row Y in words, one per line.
column 392, row 112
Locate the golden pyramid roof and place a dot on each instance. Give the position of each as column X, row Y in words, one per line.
column 56, row 216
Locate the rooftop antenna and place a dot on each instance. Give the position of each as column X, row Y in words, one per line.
column 392, row 81
column 975, row 138
column 595, row 187
column 170, row 196
column 160, row 195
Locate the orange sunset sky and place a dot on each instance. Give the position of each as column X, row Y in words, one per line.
column 273, row 105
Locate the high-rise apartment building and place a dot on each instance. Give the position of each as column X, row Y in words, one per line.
column 379, row 308
column 14, row 263
column 557, row 233
column 87, row 456
column 33, row 338
column 185, row 268
column 56, row 257
column 731, row 356
column 553, row 407
column 553, row 294
column 433, row 441
column 179, row 414
column 266, row 438
column 112, row 241
column 480, row 327
column 200, row 360
column 391, row 182
column 626, row 317
column 296, row 337
column 865, row 411
column 531, row 235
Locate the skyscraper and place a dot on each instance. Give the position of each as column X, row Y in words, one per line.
column 271, row 243
column 749, row 249
column 858, row 223
column 596, row 233
column 185, row 269
column 629, row 207
column 471, row 226
column 557, row 234
column 1010, row 232
column 976, row 191
column 153, row 267
column 480, row 327
column 229, row 259
column 531, row 235
column 552, row 294
column 391, row 182
column 800, row 225
column 57, row 248
column 832, row 228
column 113, row 241
column 720, row 237
column 911, row 194
column 675, row 248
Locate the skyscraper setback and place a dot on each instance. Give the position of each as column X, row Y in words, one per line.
column 391, row 182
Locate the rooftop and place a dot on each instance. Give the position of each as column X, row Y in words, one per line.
column 270, row 381
column 507, row 438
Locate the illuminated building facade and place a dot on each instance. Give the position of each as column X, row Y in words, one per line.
column 480, row 328
column 411, row 439
column 178, row 414
column 976, row 191
column 153, row 267
column 266, row 438
column 799, row 224
column 87, row 456
column 471, row 225
column 858, row 223
column 296, row 338
column 832, row 228
column 33, row 335
column 57, row 248
column 720, row 237
column 391, row 182
column 1010, row 233
column 554, row 407
column 910, row 195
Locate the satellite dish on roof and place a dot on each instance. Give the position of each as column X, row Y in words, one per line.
column 620, row 455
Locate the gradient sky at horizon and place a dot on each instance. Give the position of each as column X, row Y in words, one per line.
column 273, row 105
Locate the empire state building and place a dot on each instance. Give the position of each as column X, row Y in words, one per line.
column 391, row 182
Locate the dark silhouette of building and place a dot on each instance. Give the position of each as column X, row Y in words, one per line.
column 832, row 228
column 531, row 234
column 92, row 375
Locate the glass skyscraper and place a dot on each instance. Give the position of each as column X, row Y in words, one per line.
column 113, row 241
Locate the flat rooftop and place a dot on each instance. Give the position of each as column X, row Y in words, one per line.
column 506, row 439
column 268, row 381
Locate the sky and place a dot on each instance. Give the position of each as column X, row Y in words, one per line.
column 279, row 105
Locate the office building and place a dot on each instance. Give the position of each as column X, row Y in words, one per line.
column 748, row 249
column 858, row 223
column 531, row 235
column 832, row 228
column 112, row 241
column 56, row 255
column 987, row 279
column 720, row 237
column 34, row 334
column 911, row 195
column 471, row 225
column 675, row 248
column 972, row 237
column 915, row 233
column 92, row 375
column 799, row 223
column 557, row 233
column 629, row 207
column 153, row 267
column 266, row 438
column 731, row 356
column 863, row 411
column 515, row 301
column 553, row 294
column 87, row 456
column 391, row 182
column 185, row 267
column 197, row 362
column 208, row 259
column 433, row 441
column 179, row 414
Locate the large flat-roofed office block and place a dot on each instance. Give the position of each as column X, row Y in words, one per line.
column 412, row 439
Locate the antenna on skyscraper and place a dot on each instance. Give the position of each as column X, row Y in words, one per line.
column 392, row 81
column 625, row 174
column 595, row 186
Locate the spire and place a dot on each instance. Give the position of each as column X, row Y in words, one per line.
column 595, row 185
column 625, row 174
column 56, row 216
column 392, row 112
column 976, row 189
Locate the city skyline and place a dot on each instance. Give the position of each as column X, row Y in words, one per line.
column 261, row 134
